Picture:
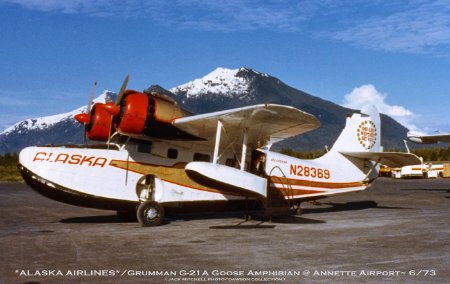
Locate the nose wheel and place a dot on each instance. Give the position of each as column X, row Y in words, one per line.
column 150, row 213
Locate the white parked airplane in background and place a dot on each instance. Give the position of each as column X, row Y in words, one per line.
column 428, row 138
column 160, row 156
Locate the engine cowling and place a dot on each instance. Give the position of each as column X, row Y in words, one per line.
column 133, row 113
column 142, row 114
column 98, row 122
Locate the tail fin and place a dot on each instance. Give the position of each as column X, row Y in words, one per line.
column 362, row 132
column 357, row 152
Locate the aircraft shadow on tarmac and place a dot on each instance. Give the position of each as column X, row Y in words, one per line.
column 348, row 206
column 131, row 219
column 96, row 219
column 330, row 208
column 262, row 222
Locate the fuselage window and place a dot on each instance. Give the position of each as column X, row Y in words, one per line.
column 144, row 147
column 172, row 153
column 199, row 157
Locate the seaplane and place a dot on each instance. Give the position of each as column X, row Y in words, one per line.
column 422, row 138
column 155, row 155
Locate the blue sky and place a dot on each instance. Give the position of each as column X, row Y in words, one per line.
column 395, row 54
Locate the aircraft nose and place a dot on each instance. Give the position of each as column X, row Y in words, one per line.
column 26, row 156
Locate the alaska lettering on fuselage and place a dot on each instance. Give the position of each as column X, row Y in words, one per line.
column 71, row 159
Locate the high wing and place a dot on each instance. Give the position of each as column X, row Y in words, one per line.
column 391, row 159
column 262, row 123
column 428, row 139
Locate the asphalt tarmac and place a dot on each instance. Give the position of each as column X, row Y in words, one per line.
column 396, row 231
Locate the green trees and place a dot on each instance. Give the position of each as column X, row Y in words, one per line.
column 434, row 154
column 8, row 168
column 428, row 154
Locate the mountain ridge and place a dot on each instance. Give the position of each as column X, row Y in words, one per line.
column 264, row 88
column 220, row 89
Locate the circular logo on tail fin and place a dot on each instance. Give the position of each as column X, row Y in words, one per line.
column 367, row 134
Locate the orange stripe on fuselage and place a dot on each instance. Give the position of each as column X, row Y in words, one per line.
column 174, row 174
column 294, row 192
column 317, row 184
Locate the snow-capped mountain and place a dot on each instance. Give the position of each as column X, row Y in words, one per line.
column 54, row 129
column 220, row 82
column 219, row 90
column 226, row 89
column 41, row 123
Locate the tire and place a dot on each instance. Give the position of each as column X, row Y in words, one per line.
column 150, row 213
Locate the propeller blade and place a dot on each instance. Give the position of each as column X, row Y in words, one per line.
column 122, row 89
column 85, row 135
column 91, row 98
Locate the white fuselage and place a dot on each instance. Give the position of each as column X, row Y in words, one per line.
column 115, row 174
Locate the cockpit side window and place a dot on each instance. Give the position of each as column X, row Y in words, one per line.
column 172, row 153
column 144, row 147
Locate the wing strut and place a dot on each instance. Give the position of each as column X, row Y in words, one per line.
column 244, row 150
column 217, row 143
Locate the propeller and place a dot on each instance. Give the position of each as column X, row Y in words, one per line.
column 122, row 89
column 91, row 98
column 114, row 109
column 85, row 116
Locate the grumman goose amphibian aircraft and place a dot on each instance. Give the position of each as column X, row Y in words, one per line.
column 158, row 156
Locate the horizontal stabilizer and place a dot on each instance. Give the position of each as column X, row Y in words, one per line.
column 228, row 178
column 390, row 159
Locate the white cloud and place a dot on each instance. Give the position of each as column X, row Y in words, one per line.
column 225, row 16
column 418, row 26
column 368, row 94
column 63, row 6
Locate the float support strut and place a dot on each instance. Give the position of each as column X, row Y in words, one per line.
column 217, row 143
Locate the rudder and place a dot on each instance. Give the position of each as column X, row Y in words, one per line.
column 362, row 132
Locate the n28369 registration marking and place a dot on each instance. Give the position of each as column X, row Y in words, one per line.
column 306, row 171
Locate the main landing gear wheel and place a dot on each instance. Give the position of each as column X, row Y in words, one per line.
column 150, row 213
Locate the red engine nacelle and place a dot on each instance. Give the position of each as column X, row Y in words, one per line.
column 133, row 113
column 98, row 122
column 145, row 114
column 137, row 115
